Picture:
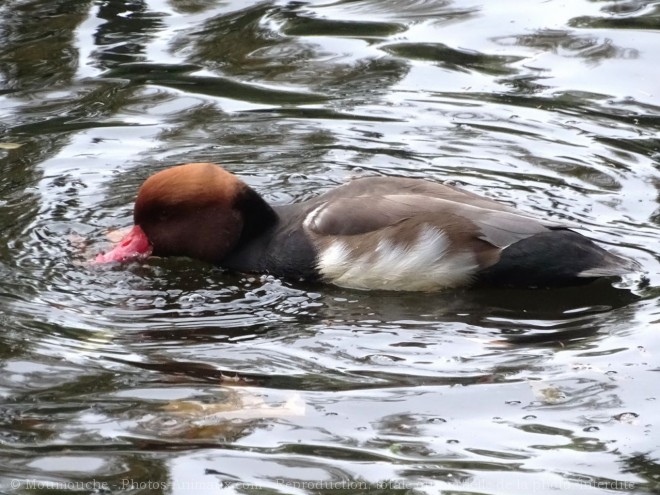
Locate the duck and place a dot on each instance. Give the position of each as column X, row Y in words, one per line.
column 372, row 233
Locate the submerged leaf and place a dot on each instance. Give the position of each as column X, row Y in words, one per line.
column 10, row 146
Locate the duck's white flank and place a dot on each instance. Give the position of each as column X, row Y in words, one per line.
column 424, row 264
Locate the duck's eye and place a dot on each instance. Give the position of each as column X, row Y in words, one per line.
column 163, row 216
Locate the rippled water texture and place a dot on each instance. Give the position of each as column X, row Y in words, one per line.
column 174, row 377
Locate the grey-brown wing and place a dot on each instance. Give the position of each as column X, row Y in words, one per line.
column 369, row 213
column 382, row 186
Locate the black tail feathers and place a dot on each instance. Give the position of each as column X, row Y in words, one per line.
column 554, row 258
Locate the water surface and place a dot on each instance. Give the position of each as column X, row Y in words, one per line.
column 171, row 376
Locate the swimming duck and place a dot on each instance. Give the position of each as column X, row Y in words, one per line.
column 371, row 233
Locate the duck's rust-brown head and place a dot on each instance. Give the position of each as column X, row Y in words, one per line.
column 194, row 210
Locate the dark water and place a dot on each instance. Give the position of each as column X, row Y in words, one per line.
column 174, row 377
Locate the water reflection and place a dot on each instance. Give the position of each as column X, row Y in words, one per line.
column 32, row 59
column 569, row 43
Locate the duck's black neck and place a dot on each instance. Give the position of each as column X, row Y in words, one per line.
column 258, row 216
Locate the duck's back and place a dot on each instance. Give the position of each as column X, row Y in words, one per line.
column 411, row 234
